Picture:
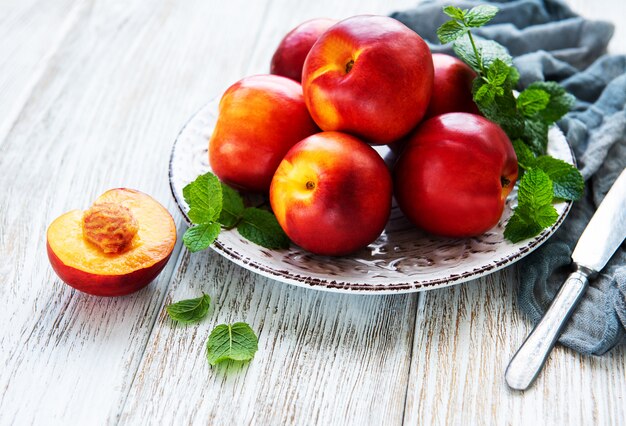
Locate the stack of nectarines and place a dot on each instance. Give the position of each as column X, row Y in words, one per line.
column 364, row 80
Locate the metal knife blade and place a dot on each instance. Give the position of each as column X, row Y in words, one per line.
column 606, row 229
column 603, row 235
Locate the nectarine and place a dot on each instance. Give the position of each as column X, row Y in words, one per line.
column 370, row 76
column 332, row 194
column 260, row 118
column 116, row 247
column 454, row 175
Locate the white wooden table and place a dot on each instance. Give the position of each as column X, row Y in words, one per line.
column 92, row 95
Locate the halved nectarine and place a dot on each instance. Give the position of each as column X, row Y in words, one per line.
column 116, row 247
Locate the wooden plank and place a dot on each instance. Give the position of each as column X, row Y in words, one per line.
column 465, row 337
column 323, row 358
column 31, row 32
column 103, row 114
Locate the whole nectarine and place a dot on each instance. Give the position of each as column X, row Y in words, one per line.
column 332, row 194
column 370, row 76
column 259, row 119
column 454, row 175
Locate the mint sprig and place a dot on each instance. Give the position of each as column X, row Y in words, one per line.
column 231, row 342
column 534, row 210
column 525, row 118
column 213, row 205
column 189, row 310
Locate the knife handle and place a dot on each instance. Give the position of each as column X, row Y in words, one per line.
column 531, row 356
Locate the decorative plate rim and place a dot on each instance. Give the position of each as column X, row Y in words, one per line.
column 339, row 286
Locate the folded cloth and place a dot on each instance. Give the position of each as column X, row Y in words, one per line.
column 550, row 42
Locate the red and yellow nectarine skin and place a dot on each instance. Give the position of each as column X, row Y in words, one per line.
column 370, row 76
column 452, row 87
column 332, row 194
column 260, row 118
column 291, row 52
column 454, row 175
column 86, row 266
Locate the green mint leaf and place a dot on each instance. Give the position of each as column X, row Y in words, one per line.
column 262, row 228
column 485, row 93
column 189, row 310
column 536, row 135
column 455, row 12
column 232, row 207
column 532, row 101
column 204, row 198
column 535, row 189
column 498, row 73
column 568, row 183
column 525, row 157
column 480, row 15
column 560, row 101
column 534, row 210
column 502, row 110
column 489, row 51
column 517, row 229
column 231, row 341
column 450, row 31
column 200, row 237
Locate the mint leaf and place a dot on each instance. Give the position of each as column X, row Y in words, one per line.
column 450, row 31
column 525, row 157
column 534, row 210
column 189, row 310
column 480, row 15
column 489, row 51
column 536, row 135
column 262, row 228
column 455, row 12
column 232, row 207
column 535, row 189
column 502, row 111
column 518, row 229
column 493, row 84
column 498, row 73
column 204, row 198
column 201, row 236
column 532, row 101
column 231, row 341
column 560, row 101
column 568, row 183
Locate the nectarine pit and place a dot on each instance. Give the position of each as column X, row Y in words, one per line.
column 109, row 226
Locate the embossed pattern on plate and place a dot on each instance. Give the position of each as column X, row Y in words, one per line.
column 402, row 259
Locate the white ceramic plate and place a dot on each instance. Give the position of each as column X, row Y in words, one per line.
column 403, row 259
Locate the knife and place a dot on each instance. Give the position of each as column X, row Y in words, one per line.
column 603, row 235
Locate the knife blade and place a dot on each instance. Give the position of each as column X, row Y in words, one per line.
column 604, row 233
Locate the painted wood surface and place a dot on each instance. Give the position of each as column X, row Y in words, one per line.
column 92, row 95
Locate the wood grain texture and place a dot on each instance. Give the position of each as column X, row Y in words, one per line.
column 465, row 337
column 103, row 114
column 323, row 358
column 30, row 32
column 92, row 95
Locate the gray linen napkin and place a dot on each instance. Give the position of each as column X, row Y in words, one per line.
column 550, row 42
